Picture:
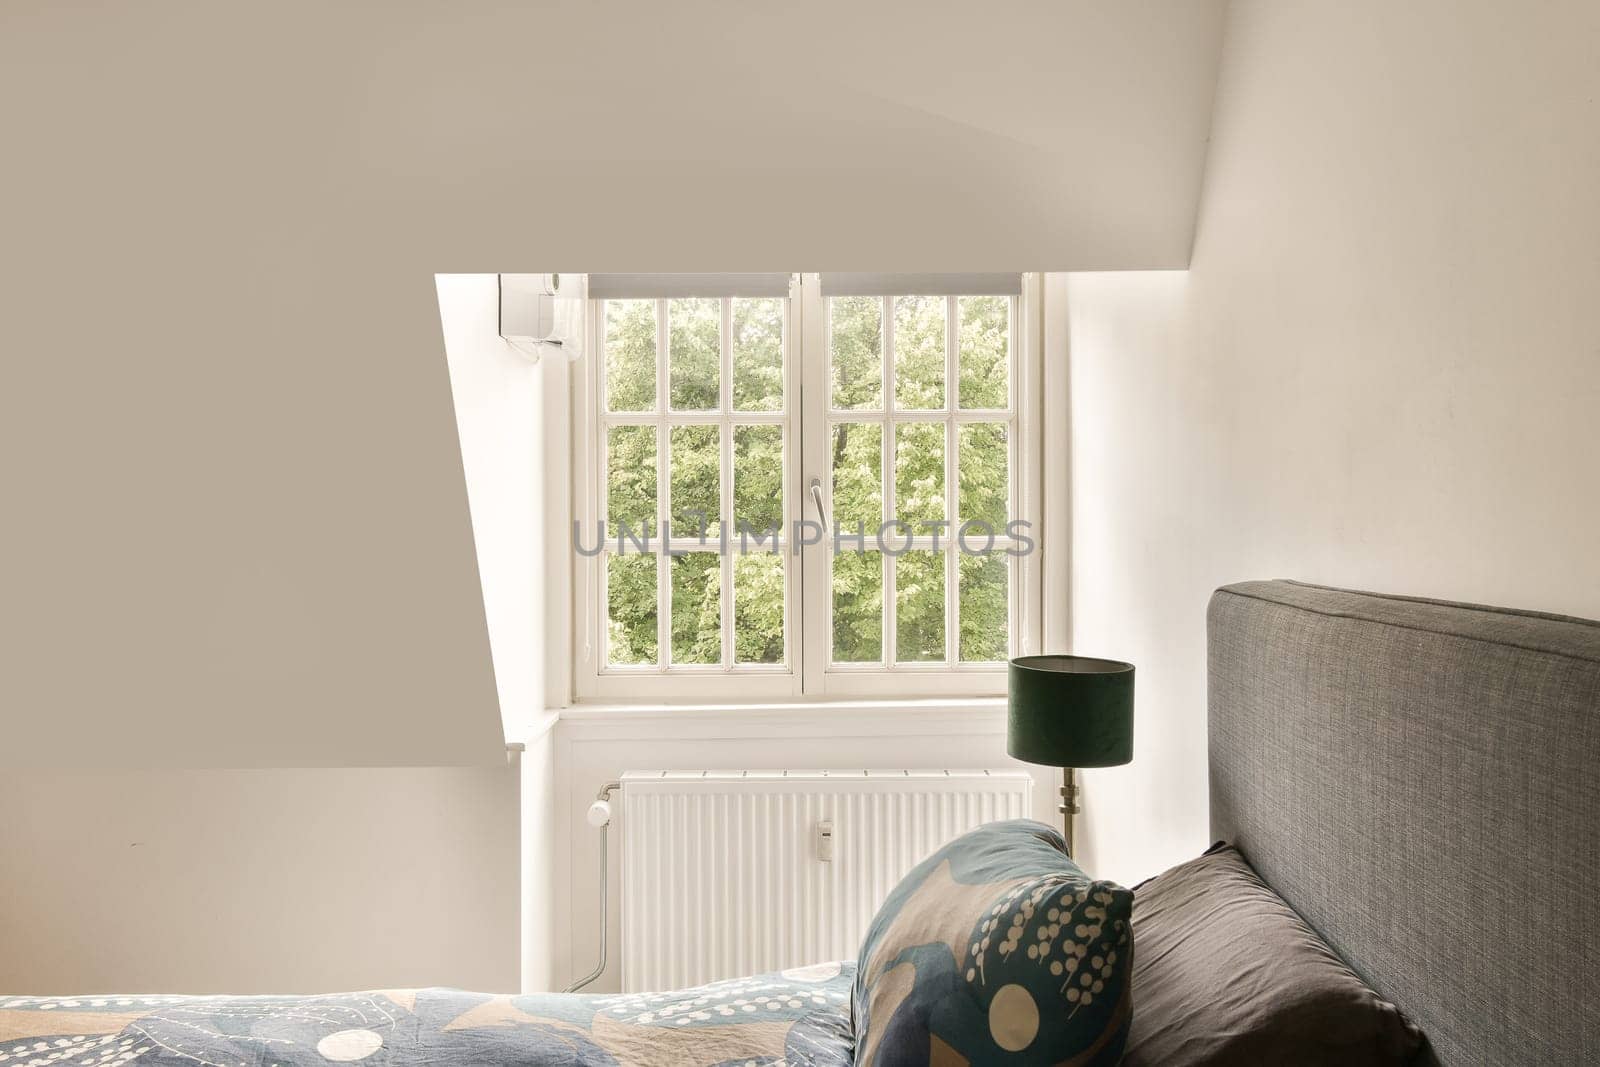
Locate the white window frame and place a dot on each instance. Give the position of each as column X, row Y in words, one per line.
column 808, row 675
column 594, row 679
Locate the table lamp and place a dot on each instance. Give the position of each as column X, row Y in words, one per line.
column 1070, row 712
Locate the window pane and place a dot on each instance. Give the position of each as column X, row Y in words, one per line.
column 982, row 347
column 984, row 614
column 693, row 329
column 919, row 349
column 919, row 607
column 631, row 355
column 757, row 479
column 857, row 351
column 695, row 469
column 631, row 481
column 758, row 595
column 630, row 610
column 697, row 608
column 857, row 477
column 758, row 354
column 981, row 477
column 919, row 474
column 858, row 607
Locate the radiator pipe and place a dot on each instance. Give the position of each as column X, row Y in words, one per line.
column 600, row 815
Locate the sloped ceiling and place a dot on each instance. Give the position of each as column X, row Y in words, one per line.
column 237, row 532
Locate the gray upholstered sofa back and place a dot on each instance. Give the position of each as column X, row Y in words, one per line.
column 1421, row 781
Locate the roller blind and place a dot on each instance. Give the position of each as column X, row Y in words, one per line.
column 658, row 286
column 921, row 284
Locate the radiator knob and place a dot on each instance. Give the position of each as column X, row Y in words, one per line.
column 599, row 814
column 825, row 841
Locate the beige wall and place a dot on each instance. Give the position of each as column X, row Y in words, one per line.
column 236, row 517
column 321, row 879
column 259, row 881
column 1382, row 371
column 237, row 521
column 241, row 532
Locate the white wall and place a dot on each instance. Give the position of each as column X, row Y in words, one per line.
column 542, row 844
column 1381, row 371
column 498, row 395
column 595, row 745
column 503, row 402
column 258, row 881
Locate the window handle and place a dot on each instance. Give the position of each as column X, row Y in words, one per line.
column 816, row 496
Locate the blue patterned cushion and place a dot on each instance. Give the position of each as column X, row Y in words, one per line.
column 997, row 949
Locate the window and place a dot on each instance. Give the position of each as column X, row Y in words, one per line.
column 808, row 485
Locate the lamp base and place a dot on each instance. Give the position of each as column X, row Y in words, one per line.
column 1069, row 803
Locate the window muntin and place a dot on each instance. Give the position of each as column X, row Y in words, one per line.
column 922, row 430
column 673, row 481
column 920, row 618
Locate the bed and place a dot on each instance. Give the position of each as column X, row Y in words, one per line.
column 1416, row 780
column 798, row 1017
column 1420, row 781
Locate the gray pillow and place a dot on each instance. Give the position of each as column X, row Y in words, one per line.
column 1227, row 973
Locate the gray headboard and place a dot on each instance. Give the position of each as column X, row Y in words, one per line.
column 1421, row 781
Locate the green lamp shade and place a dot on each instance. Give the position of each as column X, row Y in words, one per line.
column 1070, row 711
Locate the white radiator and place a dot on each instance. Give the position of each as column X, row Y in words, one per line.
column 731, row 873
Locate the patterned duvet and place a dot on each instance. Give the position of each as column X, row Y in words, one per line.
column 796, row 1018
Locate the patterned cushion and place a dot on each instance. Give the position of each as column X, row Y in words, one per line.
column 997, row 949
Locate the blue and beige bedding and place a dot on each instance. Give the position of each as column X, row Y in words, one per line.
column 997, row 948
column 798, row 1018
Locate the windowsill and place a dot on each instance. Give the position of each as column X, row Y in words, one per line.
column 596, row 710
column 920, row 717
